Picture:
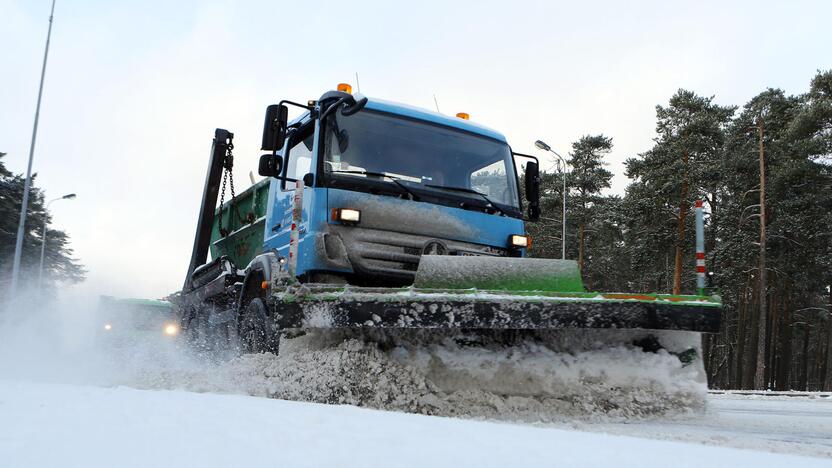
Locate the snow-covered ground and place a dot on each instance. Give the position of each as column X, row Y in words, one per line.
column 792, row 424
column 65, row 402
column 47, row 424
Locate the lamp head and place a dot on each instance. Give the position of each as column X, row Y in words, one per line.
column 541, row 145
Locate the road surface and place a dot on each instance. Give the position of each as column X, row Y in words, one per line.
column 780, row 423
column 46, row 424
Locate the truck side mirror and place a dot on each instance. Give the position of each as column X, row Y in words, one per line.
column 271, row 165
column 533, row 189
column 274, row 127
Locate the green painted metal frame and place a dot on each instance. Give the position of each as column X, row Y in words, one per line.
column 330, row 306
column 245, row 236
column 334, row 292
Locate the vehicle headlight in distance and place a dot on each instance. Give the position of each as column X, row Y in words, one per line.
column 171, row 329
column 108, row 327
column 519, row 241
column 346, row 215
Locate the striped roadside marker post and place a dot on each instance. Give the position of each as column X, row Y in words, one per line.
column 700, row 250
column 297, row 219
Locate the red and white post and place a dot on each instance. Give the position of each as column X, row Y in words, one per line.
column 700, row 249
column 297, row 218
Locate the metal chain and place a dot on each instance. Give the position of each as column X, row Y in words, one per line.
column 227, row 166
column 229, row 158
column 223, row 232
column 228, row 176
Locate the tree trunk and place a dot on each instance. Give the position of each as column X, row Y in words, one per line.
column 730, row 375
column 753, row 339
column 680, row 236
column 779, row 335
column 804, row 376
column 759, row 374
column 742, row 334
column 711, row 244
column 774, row 362
column 581, row 248
column 786, row 350
column 770, row 341
column 826, row 379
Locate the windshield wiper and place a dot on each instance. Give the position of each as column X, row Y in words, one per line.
column 395, row 180
column 472, row 191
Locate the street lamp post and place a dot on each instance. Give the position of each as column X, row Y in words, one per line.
column 69, row 196
column 543, row 146
column 24, row 205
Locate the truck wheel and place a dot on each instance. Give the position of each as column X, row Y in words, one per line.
column 257, row 333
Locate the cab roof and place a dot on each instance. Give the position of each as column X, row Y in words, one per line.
column 418, row 113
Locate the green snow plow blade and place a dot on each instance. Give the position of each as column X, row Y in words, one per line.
column 501, row 294
column 498, row 274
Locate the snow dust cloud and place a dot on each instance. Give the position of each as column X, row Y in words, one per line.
column 63, row 340
column 547, row 377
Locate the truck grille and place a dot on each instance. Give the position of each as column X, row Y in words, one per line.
column 396, row 256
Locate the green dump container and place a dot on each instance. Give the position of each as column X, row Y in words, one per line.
column 243, row 222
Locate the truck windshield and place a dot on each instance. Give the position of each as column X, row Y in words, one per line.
column 420, row 155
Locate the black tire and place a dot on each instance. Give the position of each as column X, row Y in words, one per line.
column 257, row 333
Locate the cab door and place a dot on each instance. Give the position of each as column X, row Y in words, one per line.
column 300, row 161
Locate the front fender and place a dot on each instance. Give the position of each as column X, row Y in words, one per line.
column 266, row 267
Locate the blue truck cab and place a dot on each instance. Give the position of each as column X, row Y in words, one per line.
column 364, row 197
column 386, row 184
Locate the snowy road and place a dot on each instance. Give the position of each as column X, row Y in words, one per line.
column 776, row 423
column 66, row 425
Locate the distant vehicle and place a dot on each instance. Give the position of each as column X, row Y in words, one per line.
column 120, row 318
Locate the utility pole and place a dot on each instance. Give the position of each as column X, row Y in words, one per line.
column 760, row 372
column 24, row 205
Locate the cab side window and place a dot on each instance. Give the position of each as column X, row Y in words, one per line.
column 300, row 160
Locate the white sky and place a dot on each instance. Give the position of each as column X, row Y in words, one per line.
column 135, row 89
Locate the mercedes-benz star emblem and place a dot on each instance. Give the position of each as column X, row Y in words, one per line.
column 434, row 248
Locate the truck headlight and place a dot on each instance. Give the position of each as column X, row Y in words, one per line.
column 108, row 327
column 346, row 215
column 171, row 329
column 519, row 241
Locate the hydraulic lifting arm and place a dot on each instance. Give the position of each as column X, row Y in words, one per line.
column 202, row 239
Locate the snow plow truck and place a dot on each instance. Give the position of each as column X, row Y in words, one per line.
column 377, row 216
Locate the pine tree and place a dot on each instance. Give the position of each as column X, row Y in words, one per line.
column 546, row 232
column 59, row 265
column 690, row 139
column 587, row 178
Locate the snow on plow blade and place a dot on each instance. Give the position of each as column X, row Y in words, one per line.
column 332, row 307
column 493, row 294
